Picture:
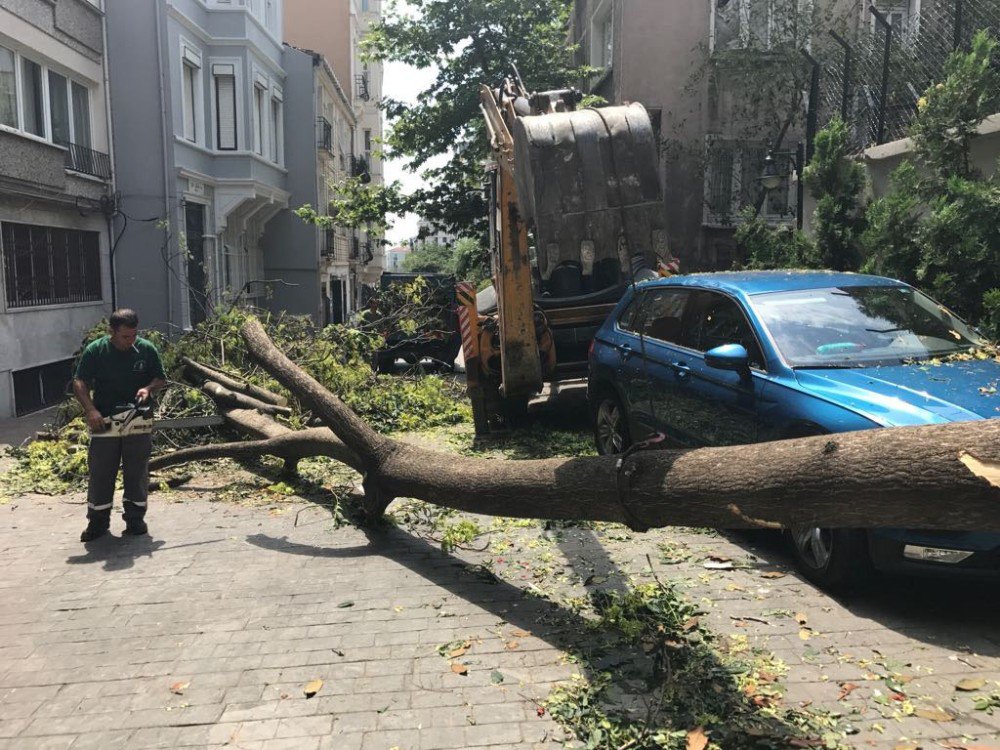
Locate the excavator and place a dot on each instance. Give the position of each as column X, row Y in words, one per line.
column 576, row 216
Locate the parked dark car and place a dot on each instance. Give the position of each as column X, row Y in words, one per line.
column 731, row 358
column 436, row 335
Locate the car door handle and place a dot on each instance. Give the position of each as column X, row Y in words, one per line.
column 625, row 350
column 681, row 369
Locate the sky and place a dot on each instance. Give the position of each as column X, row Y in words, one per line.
column 403, row 82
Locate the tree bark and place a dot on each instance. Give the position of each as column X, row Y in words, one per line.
column 226, row 397
column 944, row 477
column 207, row 372
column 273, row 439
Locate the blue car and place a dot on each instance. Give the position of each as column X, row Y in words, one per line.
column 742, row 357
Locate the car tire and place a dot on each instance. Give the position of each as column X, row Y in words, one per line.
column 835, row 559
column 611, row 433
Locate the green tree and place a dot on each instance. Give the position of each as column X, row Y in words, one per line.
column 472, row 261
column 938, row 224
column 473, row 42
column 836, row 181
column 430, row 258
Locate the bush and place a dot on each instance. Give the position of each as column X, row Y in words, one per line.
column 765, row 247
column 937, row 227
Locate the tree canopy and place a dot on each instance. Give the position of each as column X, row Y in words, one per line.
column 470, row 43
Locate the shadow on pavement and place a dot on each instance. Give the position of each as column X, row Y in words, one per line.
column 954, row 613
column 120, row 553
column 638, row 680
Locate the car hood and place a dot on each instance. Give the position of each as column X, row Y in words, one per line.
column 915, row 394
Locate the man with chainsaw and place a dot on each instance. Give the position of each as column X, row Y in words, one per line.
column 124, row 372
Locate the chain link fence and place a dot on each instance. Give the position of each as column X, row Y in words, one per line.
column 875, row 79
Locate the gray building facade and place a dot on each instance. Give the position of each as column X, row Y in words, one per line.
column 55, row 194
column 197, row 91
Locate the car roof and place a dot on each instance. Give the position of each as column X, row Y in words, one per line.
column 760, row 282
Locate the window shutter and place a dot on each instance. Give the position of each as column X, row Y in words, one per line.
column 225, row 99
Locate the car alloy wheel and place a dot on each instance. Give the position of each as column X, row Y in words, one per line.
column 814, row 546
column 610, row 428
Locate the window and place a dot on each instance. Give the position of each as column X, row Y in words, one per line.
column 8, row 88
column 732, row 184
column 665, row 311
column 190, row 104
column 49, row 266
column 715, row 320
column 81, row 114
column 630, row 317
column 33, row 114
column 277, row 129
column 225, row 107
column 758, row 24
column 38, row 387
column 368, row 146
column 326, row 135
column 258, row 119
column 59, row 108
column 602, row 40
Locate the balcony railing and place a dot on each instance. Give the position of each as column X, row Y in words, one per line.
column 326, row 135
column 361, row 87
column 87, row 161
column 360, row 168
column 336, row 246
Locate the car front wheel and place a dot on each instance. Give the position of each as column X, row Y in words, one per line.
column 610, row 426
column 832, row 558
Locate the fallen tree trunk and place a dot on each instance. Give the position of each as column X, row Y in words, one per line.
column 936, row 477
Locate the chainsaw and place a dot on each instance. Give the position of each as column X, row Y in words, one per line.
column 137, row 419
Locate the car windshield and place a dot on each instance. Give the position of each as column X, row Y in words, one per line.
column 858, row 326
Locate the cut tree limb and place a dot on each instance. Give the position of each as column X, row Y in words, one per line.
column 227, row 397
column 911, row 477
column 204, row 372
column 273, row 439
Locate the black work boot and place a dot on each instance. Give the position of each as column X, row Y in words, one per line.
column 135, row 527
column 98, row 523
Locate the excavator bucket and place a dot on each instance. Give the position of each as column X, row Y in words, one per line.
column 587, row 180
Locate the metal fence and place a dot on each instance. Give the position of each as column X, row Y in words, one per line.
column 874, row 79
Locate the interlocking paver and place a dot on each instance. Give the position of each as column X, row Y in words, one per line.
column 245, row 606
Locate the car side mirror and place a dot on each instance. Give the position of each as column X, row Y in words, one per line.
column 729, row 357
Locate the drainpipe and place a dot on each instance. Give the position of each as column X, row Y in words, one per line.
column 166, row 166
column 109, row 215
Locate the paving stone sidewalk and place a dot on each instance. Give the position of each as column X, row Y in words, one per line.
column 241, row 607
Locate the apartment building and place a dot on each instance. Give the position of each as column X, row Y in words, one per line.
column 334, row 29
column 55, row 187
column 428, row 234
column 685, row 60
column 320, row 262
column 197, row 94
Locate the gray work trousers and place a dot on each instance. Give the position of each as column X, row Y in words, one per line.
column 105, row 456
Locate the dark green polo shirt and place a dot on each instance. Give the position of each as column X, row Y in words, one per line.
column 115, row 376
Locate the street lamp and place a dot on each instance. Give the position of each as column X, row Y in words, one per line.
column 771, row 177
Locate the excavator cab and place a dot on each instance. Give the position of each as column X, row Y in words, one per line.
column 576, row 216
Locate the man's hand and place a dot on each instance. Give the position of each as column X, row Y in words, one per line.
column 95, row 420
column 142, row 394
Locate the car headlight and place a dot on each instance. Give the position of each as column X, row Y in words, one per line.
column 935, row 554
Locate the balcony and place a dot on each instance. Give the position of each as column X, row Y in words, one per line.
column 361, row 90
column 326, row 135
column 336, row 247
column 87, row 161
column 360, row 168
